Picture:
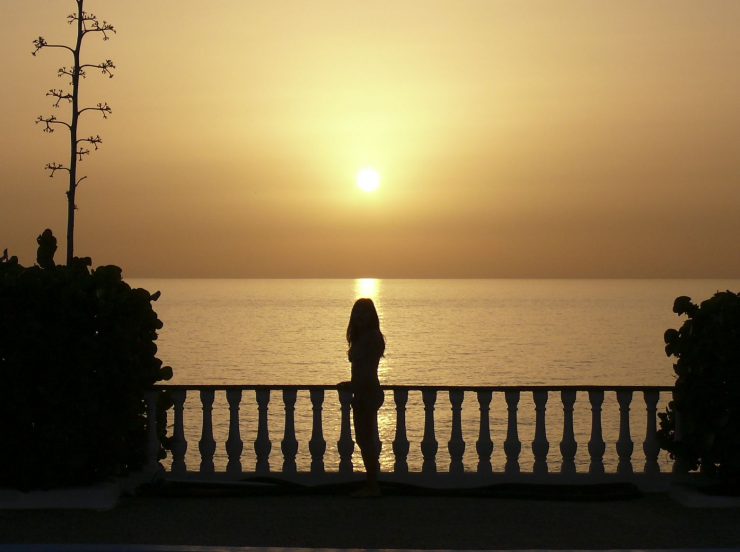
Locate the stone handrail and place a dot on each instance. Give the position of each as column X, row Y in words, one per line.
column 484, row 445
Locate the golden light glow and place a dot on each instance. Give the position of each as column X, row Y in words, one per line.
column 368, row 179
column 513, row 128
column 367, row 287
column 372, row 289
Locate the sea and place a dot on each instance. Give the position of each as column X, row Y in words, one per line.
column 438, row 332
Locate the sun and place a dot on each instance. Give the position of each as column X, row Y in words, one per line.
column 368, row 179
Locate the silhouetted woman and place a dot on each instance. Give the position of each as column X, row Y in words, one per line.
column 366, row 347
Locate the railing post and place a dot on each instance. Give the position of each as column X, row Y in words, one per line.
column 429, row 441
column 596, row 446
column 624, row 443
column 456, row 444
column 650, row 446
column 317, row 444
column 213, row 431
column 262, row 444
column 568, row 445
column 289, row 445
column 512, row 445
column 540, row 445
column 162, row 424
column 345, row 445
column 151, row 430
column 207, row 445
column 484, row 444
column 179, row 443
column 400, row 441
column 234, row 444
column 680, row 467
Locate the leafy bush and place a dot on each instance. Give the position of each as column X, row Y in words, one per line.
column 77, row 355
column 707, row 391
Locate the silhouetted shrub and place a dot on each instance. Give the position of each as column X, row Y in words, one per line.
column 707, row 391
column 77, row 355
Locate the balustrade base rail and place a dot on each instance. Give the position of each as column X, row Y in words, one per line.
column 645, row 471
column 469, row 480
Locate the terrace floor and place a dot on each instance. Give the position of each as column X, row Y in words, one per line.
column 396, row 520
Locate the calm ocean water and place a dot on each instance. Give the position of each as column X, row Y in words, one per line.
column 445, row 332
column 483, row 332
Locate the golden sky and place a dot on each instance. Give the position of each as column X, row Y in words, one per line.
column 513, row 138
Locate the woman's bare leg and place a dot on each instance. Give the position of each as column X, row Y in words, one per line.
column 364, row 422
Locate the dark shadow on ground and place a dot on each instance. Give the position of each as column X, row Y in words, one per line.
column 269, row 486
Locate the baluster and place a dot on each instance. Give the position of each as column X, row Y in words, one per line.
column 345, row 445
column 540, row 445
column 650, row 446
column 151, row 430
column 400, row 442
column 484, row 444
column 429, row 442
column 624, row 443
column 512, row 445
column 179, row 443
column 234, row 444
column 568, row 445
column 317, row 444
column 456, row 444
column 680, row 467
column 262, row 444
column 162, row 424
column 289, row 445
column 207, row 445
column 596, row 445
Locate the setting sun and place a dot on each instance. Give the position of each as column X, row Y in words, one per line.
column 368, row 179
column 429, row 132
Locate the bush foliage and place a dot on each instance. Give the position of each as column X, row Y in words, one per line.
column 707, row 391
column 77, row 356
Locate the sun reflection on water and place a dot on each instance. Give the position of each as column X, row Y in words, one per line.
column 368, row 287
column 386, row 431
column 372, row 289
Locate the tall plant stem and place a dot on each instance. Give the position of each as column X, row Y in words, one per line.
column 71, row 192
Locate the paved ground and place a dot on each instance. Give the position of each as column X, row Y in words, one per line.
column 397, row 521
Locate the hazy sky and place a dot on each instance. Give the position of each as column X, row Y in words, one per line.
column 513, row 139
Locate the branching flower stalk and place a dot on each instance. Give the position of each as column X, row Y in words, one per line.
column 86, row 23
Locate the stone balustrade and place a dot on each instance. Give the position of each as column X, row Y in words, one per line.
column 433, row 398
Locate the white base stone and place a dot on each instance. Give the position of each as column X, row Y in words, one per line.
column 103, row 496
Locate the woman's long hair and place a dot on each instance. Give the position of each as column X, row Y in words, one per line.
column 364, row 325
